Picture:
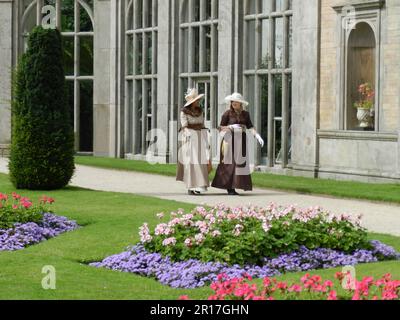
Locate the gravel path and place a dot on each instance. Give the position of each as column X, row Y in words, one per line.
column 378, row 217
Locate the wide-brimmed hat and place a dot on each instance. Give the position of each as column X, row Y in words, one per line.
column 191, row 96
column 237, row 97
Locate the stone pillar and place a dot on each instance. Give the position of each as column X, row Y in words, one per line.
column 6, row 66
column 167, row 71
column 225, row 53
column 305, row 86
column 107, row 86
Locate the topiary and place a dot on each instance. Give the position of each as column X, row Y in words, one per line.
column 42, row 143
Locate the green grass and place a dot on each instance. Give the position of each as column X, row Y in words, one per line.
column 111, row 222
column 340, row 189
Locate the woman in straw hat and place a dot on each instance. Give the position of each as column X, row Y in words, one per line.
column 233, row 171
column 193, row 153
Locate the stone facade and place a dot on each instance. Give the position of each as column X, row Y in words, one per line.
column 6, row 38
column 320, row 145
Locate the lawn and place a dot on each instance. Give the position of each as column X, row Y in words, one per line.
column 340, row 189
column 110, row 222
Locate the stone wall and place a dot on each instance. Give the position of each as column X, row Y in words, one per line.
column 330, row 103
column 6, row 7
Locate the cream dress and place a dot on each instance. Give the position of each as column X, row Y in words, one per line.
column 193, row 154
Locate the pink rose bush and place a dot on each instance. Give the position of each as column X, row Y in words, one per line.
column 309, row 287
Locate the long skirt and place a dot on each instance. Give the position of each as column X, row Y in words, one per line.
column 193, row 157
column 233, row 171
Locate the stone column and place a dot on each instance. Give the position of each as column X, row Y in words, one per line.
column 6, row 32
column 167, row 71
column 225, row 53
column 106, row 101
column 305, row 86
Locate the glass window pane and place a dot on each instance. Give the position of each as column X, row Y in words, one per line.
column 250, row 45
column 149, row 13
column 68, row 47
column 155, row 53
column 149, row 52
column 278, row 141
column 69, row 92
column 249, row 95
column 129, row 58
column 130, row 117
column 266, row 6
column 86, row 56
column 138, row 14
column 278, row 43
column 85, row 21
column 67, row 16
column 207, row 42
column 185, row 11
column 251, row 7
column 129, row 14
column 86, row 116
column 264, row 112
column 138, row 125
column 196, row 10
column 184, row 87
column 216, row 48
column 184, row 50
column 278, row 95
column 196, row 53
column 265, row 39
column 138, row 52
column 208, row 4
column 155, row 13
column 279, row 5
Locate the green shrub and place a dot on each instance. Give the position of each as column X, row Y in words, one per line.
column 42, row 146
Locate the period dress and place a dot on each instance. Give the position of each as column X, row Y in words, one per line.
column 233, row 171
column 193, row 153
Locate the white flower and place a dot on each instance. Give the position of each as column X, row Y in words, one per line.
column 216, row 233
column 169, row 241
column 199, row 238
column 188, row 242
column 144, row 233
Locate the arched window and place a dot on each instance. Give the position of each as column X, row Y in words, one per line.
column 361, row 69
column 75, row 21
column 267, row 62
column 198, row 54
column 141, row 72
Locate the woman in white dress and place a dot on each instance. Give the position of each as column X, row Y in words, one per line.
column 193, row 153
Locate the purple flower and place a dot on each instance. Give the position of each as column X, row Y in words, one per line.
column 194, row 273
column 23, row 235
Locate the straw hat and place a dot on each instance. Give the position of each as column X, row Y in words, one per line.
column 191, row 96
column 237, row 97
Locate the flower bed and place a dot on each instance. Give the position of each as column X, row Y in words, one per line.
column 22, row 223
column 191, row 249
column 313, row 287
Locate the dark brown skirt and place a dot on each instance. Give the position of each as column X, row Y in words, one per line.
column 233, row 171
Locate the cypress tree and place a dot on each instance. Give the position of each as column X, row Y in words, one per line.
column 42, row 144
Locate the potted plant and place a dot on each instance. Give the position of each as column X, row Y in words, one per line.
column 365, row 106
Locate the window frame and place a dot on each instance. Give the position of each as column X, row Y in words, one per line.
column 369, row 13
column 136, row 143
column 271, row 72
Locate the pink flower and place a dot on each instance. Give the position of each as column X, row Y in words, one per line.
column 332, row 295
column 169, row 242
column 188, row 242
